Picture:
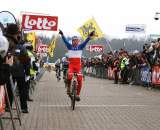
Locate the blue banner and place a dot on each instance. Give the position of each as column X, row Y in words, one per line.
column 145, row 75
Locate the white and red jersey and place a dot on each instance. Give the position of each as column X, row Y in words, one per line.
column 75, row 54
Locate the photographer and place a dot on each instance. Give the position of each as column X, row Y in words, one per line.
column 19, row 68
column 6, row 60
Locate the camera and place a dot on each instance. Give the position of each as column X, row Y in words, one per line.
column 156, row 17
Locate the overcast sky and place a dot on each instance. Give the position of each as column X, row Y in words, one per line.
column 111, row 15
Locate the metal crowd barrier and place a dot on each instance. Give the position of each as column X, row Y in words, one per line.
column 145, row 75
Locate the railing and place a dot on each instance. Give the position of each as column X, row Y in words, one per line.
column 145, row 75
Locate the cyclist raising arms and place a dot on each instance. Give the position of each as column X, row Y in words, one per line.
column 74, row 55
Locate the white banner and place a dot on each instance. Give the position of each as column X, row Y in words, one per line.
column 154, row 36
column 135, row 28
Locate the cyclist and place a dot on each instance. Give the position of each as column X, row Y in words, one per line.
column 74, row 55
column 58, row 68
column 65, row 65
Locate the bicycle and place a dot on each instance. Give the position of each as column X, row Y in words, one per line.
column 58, row 74
column 65, row 77
column 74, row 84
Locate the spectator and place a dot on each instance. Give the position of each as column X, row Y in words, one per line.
column 18, row 68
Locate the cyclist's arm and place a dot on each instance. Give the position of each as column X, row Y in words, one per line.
column 82, row 45
column 68, row 45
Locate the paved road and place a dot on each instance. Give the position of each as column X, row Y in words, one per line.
column 103, row 106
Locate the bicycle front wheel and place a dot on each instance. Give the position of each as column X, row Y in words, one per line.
column 73, row 95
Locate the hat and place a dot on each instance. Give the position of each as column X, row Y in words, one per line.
column 12, row 29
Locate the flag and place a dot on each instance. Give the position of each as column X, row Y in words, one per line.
column 88, row 27
column 32, row 38
column 52, row 45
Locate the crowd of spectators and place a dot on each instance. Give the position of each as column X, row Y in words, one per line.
column 125, row 65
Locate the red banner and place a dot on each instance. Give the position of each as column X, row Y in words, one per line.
column 96, row 48
column 156, row 75
column 42, row 48
column 38, row 22
column 2, row 99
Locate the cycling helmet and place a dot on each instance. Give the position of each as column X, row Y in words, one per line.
column 74, row 37
column 66, row 55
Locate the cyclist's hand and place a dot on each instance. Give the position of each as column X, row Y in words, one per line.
column 92, row 34
column 60, row 32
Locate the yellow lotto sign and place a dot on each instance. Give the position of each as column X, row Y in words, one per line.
column 88, row 27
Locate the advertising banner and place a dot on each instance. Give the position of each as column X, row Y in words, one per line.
column 39, row 22
column 135, row 28
column 42, row 50
column 96, row 48
column 145, row 75
column 156, row 75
